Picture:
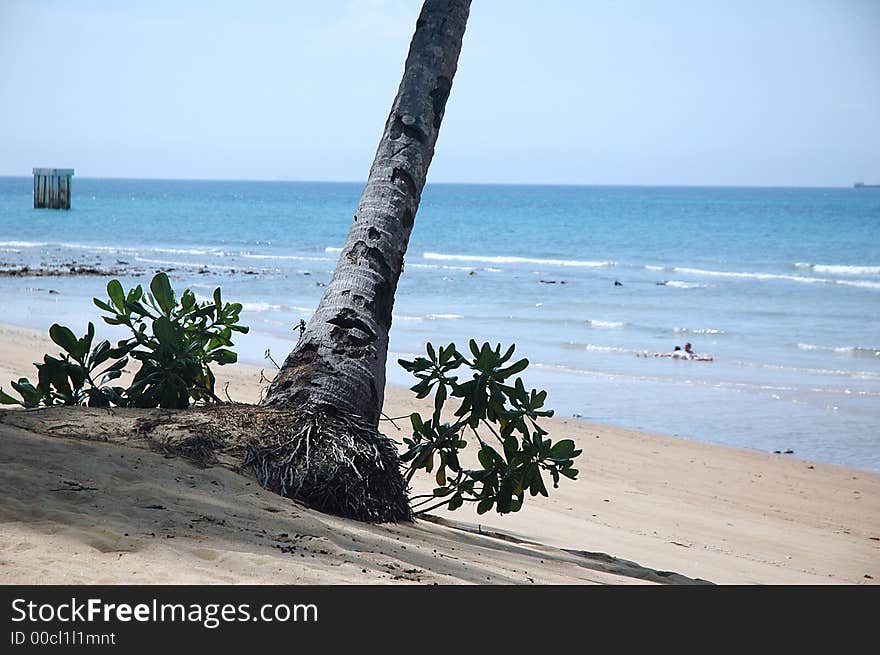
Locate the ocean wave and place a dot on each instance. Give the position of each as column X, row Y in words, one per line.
column 864, row 284
column 678, row 284
column 651, row 267
column 857, row 351
column 697, row 330
column 704, row 383
column 438, row 267
column 746, row 275
column 404, row 317
column 178, row 251
column 296, row 258
column 332, row 249
column 435, row 317
column 178, row 264
column 258, row 307
column 856, row 375
column 22, row 244
column 448, row 267
column 590, row 347
column 777, row 276
column 605, row 324
column 503, row 259
column 116, row 249
column 839, row 269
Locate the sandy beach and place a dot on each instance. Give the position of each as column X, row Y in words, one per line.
column 78, row 509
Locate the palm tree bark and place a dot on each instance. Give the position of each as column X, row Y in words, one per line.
column 330, row 453
column 339, row 362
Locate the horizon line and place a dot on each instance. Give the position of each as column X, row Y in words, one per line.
column 542, row 184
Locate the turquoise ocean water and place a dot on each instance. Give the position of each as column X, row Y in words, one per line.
column 780, row 286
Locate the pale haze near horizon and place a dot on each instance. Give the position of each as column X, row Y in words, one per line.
column 679, row 93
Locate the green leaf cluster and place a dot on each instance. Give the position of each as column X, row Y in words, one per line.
column 174, row 340
column 494, row 408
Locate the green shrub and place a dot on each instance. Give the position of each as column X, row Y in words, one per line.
column 72, row 378
column 174, row 341
column 503, row 418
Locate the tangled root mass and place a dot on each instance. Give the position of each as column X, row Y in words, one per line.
column 332, row 462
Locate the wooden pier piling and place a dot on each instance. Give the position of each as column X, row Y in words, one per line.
column 52, row 188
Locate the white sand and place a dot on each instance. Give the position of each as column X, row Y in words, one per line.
column 705, row 511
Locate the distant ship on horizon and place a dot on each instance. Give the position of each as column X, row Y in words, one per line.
column 862, row 185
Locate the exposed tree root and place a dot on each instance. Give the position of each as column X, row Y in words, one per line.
column 332, row 462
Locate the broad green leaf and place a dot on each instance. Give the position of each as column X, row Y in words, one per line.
column 164, row 331
column 513, row 369
column 224, row 357
column 562, row 449
column 103, row 305
column 6, row 399
column 161, row 288
column 486, row 457
column 188, row 300
column 117, row 295
column 65, row 338
column 455, row 502
column 100, row 354
column 439, row 399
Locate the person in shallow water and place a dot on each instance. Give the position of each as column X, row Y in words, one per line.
column 678, row 353
column 690, row 354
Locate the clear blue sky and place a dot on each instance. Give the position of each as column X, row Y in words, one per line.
column 573, row 92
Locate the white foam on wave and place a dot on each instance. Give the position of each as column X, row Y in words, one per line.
column 590, row 347
column 258, row 307
column 856, row 375
column 605, row 324
column 678, row 284
column 777, row 276
column 179, row 251
column 864, row 284
column 841, row 350
column 332, row 249
column 438, row 267
column 504, row 259
column 404, row 317
column 704, row 383
column 22, row 244
column 752, row 276
column 435, row 317
column 839, row 269
column 114, row 249
column 296, row 258
column 167, row 262
column 697, row 330
column 651, row 267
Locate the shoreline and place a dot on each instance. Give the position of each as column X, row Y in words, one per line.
column 805, row 390
column 248, row 372
column 724, row 514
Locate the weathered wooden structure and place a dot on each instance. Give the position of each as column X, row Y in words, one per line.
column 52, row 188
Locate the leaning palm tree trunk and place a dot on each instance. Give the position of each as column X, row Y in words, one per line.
column 335, row 376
